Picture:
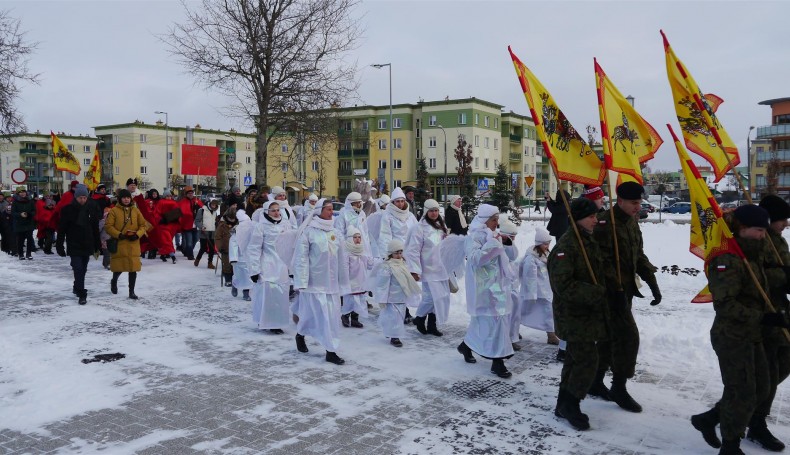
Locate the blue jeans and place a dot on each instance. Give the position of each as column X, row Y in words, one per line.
column 188, row 240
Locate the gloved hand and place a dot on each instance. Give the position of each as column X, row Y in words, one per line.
column 132, row 237
column 254, row 278
column 61, row 251
column 619, row 301
column 775, row 320
column 656, row 293
column 121, row 236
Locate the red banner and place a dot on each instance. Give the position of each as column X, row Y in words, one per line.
column 199, row 160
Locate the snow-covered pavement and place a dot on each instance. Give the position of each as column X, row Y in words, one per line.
column 199, row 378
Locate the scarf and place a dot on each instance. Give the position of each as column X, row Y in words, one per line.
column 320, row 223
column 354, row 249
column 542, row 258
column 270, row 219
column 461, row 216
column 402, row 215
column 403, row 276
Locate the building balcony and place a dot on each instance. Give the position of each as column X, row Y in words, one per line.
column 515, row 157
column 781, row 155
column 358, row 153
column 27, row 151
column 345, row 172
column 515, row 138
column 354, row 132
column 773, row 131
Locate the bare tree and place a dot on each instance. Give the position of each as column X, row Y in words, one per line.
column 276, row 58
column 14, row 55
column 772, row 169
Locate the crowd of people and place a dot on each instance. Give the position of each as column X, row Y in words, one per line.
column 323, row 271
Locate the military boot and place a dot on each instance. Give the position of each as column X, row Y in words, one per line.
column 760, row 435
column 706, row 423
column 731, row 447
column 432, row 325
column 619, row 394
column 419, row 321
column 355, row 320
column 568, row 408
column 598, row 389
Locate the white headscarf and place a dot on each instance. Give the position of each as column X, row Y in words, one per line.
column 351, row 247
column 484, row 213
column 398, row 194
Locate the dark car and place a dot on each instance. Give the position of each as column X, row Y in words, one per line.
column 649, row 207
column 643, row 212
column 678, row 207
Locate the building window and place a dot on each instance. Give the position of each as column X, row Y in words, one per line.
column 526, row 150
column 477, row 119
column 86, row 161
column 382, row 164
column 496, row 144
column 70, row 147
column 315, row 146
column 477, row 140
column 347, row 145
column 486, row 121
column 485, row 163
column 116, row 139
column 496, row 164
column 315, row 165
column 432, row 120
column 347, row 125
column 169, row 140
column 345, row 165
column 117, row 170
column 462, row 118
column 117, row 154
column 364, row 125
column 398, row 183
column 170, row 171
column 496, row 122
column 382, row 124
column 247, row 146
column 143, row 154
column 169, row 155
column 143, row 138
column 202, row 142
column 86, row 148
column 284, row 167
column 382, row 144
column 432, row 142
column 315, row 184
column 397, row 164
column 526, row 168
column 485, row 142
column 431, row 163
column 144, row 170
column 365, row 164
column 477, row 162
column 396, row 143
column 284, row 148
column 396, row 123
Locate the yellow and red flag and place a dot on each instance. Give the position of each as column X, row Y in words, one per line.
column 628, row 140
column 63, row 158
column 93, row 176
column 710, row 235
column 702, row 131
column 573, row 159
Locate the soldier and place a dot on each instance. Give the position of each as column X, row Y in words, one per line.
column 736, row 334
column 620, row 353
column 581, row 312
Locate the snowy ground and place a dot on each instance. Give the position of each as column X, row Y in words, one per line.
column 199, row 378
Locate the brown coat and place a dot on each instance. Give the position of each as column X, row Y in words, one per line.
column 127, row 258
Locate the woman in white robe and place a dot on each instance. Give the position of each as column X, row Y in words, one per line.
column 425, row 265
column 241, row 275
column 487, row 293
column 394, row 286
column 536, row 296
column 352, row 215
column 354, row 304
column 321, row 277
column 286, row 212
column 396, row 221
column 270, row 305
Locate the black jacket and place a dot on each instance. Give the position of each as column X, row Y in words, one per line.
column 559, row 222
column 452, row 219
column 79, row 228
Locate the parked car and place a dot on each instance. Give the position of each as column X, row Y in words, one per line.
column 678, row 207
column 729, row 205
column 649, row 207
column 643, row 212
column 336, row 207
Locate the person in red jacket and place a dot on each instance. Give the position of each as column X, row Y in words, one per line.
column 189, row 206
column 166, row 225
column 45, row 208
column 147, row 206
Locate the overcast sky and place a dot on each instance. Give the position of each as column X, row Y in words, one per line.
column 102, row 63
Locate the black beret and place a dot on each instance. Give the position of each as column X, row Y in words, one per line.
column 778, row 209
column 130, row 181
column 630, row 191
column 750, row 215
column 582, row 208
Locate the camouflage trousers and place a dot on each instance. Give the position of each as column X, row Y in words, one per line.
column 578, row 371
column 778, row 358
column 745, row 376
column 620, row 352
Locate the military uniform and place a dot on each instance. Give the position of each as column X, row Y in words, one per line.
column 581, row 313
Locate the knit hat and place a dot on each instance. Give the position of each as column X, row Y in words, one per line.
column 21, row 189
column 430, row 204
column 507, row 227
column 80, row 190
column 73, row 184
column 100, row 186
column 486, row 211
column 131, row 181
column 397, row 194
column 394, row 245
column 354, row 197
column 593, row 193
column 751, row 215
column 582, row 207
column 453, row 198
column 384, row 199
column 352, row 231
column 277, row 190
column 252, row 187
column 631, row 191
column 234, row 189
column 124, row 193
column 542, row 236
column 778, row 209
column 313, row 197
column 166, row 192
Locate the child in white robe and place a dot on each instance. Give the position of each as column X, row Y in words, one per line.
column 359, row 265
column 535, row 297
column 394, row 286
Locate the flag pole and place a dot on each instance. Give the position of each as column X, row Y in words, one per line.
column 614, row 233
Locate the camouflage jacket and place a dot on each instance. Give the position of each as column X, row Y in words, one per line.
column 777, row 282
column 738, row 304
column 630, row 246
column 581, row 311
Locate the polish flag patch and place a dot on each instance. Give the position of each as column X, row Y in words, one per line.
column 721, row 268
column 560, row 255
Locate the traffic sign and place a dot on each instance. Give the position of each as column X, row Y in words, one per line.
column 482, row 185
column 19, row 176
column 528, row 180
column 247, row 180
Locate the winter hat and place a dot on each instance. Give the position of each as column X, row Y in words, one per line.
column 234, row 189
column 397, row 194
column 631, row 191
column 131, row 181
column 352, row 231
column 430, row 204
column 751, row 215
column 593, row 193
column 542, row 236
column 252, row 187
column 166, row 192
column 582, row 207
column 778, row 209
column 277, row 190
column 507, row 227
column 80, row 190
column 313, row 197
column 73, row 184
column 486, row 211
column 101, row 186
column 394, row 245
column 188, row 188
column 384, row 199
column 21, row 189
column 453, row 198
column 124, row 193
column 353, row 197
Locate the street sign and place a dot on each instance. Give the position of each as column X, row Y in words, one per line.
column 19, row 176
column 360, row 171
column 529, row 180
column 482, row 185
column 247, row 180
column 514, row 179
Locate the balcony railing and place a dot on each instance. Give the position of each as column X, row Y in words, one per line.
column 781, row 155
column 354, row 132
column 345, row 172
column 515, row 157
column 27, row 151
column 358, row 153
column 767, row 132
column 515, row 138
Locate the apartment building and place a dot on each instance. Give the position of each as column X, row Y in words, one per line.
column 773, row 143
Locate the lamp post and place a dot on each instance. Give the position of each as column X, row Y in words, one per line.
column 167, row 139
column 749, row 160
column 392, row 178
column 228, row 177
column 445, row 161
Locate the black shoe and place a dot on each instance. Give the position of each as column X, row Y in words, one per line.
column 21, row 258
column 619, row 394
column 432, row 330
column 245, row 294
column 560, row 355
column 515, row 347
column 132, row 295
column 234, row 292
column 731, row 447
column 344, row 319
column 396, row 342
column 83, row 297
column 407, row 319
column 29, row 258
column 759, row 434
column 163, row 258
column 332, row 357
column 355, row 321
column 190, row 258
column 48, row 252
column 173, row 258
column 276, row 331
column 301, row 346
column 419, row 322
column 464, row 350
column 599, row 389
column 114, row 286
column 706, row 423
column 568, row 408
column 498, row 368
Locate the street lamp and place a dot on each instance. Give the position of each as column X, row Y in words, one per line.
column 392, row 178
column 749, row 160
column 445, row 161
column 231, row 178
column 167, row 139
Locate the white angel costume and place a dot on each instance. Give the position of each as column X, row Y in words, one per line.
column 395, row 223
column 349, row 216
column 241, row 273
column 422, row 257
column 393, row 287
column 536, row 295
column 359, row 266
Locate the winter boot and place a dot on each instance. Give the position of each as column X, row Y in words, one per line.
column 464, row 350
column 173, row 257
column 760, row 435
column 301, row 346
column 515, row 347
column 228, row 280
column 114, row 282
column 619, row 394
column 560, row 355
column 211, row 266
column 197, row 262
column 498, row 368
column 332, row 357
column 355, row 321
column 163, row 258
column 396, row 342
column 432, row 330
column 706, row 423
column 245, row 294
column 132, row 281
column 344, row 318
column 731, row 447
column 407, row 319
column 598, row 389
column 233, row 291
column 419, row 322
column 568, row 408
column 152, row 254
column 83, row 297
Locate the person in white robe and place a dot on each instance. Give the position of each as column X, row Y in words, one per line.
column 394, row 286
column 287, row 213
column 320, row 277
column 307, row 207
column 536, row 297
column 396, row 221
column 508, row 232
column 425, row 265
column 352, row 215
column 241, row 275
column 354, row 304
column 489, row 304
column 270, row 304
